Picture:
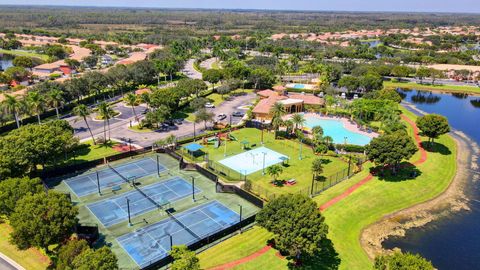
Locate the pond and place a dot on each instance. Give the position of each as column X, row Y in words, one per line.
column 5, row 61
column 453, row 242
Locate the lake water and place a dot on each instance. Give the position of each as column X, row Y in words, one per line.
column 5, row 61
column 453, row 242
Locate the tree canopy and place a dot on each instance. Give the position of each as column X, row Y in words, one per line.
column 184, row 259
column 402, row 261
column 391, row 149
column 41, row 220
column 13, row 189
column 298, row 226
column 433, row 125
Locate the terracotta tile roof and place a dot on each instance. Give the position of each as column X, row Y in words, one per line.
column 143, row 90
column 267, row 93
column 264, row 105
column 308, row 99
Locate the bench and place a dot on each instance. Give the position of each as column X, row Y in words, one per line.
column 116, row 188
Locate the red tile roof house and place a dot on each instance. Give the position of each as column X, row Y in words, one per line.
column 293, row 103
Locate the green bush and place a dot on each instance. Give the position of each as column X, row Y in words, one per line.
column 351, row 148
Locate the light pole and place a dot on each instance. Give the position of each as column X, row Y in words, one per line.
column 225, row 148
column 194, row 134
column 262, row 130
column 241, row 212
column 263, row 167
column 300, row 152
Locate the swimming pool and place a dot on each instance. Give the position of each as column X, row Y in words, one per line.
column 299, row 86
column 252, row 161
column 337, row 130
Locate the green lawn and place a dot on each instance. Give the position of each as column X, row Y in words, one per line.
column 235, row 248
column 31, row 259
column 43, row 57
column 348, row 217
column 429, row 87
column 297, row 169
column 87, row 151
column 371, row 202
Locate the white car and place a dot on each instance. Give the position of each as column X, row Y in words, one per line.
column 209, row 105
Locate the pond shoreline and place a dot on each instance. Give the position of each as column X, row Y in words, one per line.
column 453, row 199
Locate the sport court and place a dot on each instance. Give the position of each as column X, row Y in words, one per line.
column 86, row 184
column 152, row 243
column 114, row 210
column 252, row 161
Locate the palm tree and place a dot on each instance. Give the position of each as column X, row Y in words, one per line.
column 83, row 111
column 145, row 98
column 13, row 106
column 298, row 120
column 274, row 171
column 131, row 99
column 55, row 99
column 317, row 167
column 36, row 103
column 106, row 113
column 277, row 111
column 317, row 134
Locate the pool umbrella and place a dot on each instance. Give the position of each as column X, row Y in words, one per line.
column 244, row 143
column 283, row 159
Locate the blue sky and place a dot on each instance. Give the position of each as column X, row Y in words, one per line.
column 344, row 5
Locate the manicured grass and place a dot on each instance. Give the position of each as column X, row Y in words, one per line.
column 29, row 259
column 87, row 151
column 268, row 261
column 297, row 169
column 368, row 204
column 216, row 65
column 43, row 57
column 235, row 248
column 136, row 128
column 429, row 87
column 372, row 201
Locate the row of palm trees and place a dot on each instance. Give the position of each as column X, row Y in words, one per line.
column 104, row 110
column 33, row 103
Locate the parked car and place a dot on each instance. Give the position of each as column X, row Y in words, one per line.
column 178, row 121
column 221, row 116
column 238, row 114
column 209, row 105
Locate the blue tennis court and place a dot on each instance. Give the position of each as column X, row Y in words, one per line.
column 86, row 184
column 114, row 210
column 152, row 243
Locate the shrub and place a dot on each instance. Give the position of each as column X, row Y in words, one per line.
column 351, row 148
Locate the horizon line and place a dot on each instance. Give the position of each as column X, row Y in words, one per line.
column 244, row 9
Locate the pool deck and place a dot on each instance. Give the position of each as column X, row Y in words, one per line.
column 346, row 123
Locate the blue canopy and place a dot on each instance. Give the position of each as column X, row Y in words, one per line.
column 193, row 147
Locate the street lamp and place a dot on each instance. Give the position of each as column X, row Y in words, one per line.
column 194, row 135
column 300, row 152
column 263, row 168
column 241, row 210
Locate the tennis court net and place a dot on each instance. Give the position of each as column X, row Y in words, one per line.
column 148, row 197
column 181, row 224
column 121, row 176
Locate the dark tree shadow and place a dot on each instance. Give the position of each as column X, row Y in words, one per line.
column 406, row 171
column 436, row 148
column 326, row 259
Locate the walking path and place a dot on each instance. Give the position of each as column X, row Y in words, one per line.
column 8, row 264
column 422, row 159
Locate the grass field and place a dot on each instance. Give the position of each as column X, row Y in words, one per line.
column 43, row 57
column 298, row 169
column 87, row 151
column 235, row 248
column 429, row 87
column 369, row 203
column 31, row 259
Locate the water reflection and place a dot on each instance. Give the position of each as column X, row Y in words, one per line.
column 424, row 98
column 475, row 103
column 460, row 95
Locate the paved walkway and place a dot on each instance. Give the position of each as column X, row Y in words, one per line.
column 422, row 159
column 8, row 264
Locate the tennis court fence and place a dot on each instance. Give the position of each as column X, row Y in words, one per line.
column 206, row 240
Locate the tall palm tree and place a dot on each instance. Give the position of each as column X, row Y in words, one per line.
column 298, row 120
column 36, row 103
column 317, row 134
column 55, row 99
column 106, row 113
column 83, row 111
column 13, row 106
column 131, row 99
column 277, row 111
